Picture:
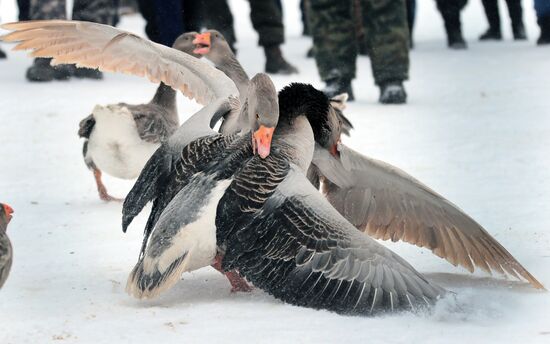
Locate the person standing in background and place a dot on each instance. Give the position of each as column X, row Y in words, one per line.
column 167, row 19
column 493, row 16
column 542, row 7
column 99, row 11
column 332, row 26
column 450, row 11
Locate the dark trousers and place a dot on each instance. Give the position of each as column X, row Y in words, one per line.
column 450, row 11
column 411, row 14
column 167, row 19
column 491, row 11
column 24, row 9
column 335, row 38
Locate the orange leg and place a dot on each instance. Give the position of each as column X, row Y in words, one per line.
column 238, row 283
column 102, row 190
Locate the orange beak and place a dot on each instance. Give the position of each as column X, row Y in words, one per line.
column 261, row 141
column 8, row 211
column 202, row 43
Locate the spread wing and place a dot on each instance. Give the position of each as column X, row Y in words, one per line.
column 109, row 49
column 387, row 203
column 286, row 239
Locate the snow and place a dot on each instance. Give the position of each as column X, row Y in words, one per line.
column 476, row 129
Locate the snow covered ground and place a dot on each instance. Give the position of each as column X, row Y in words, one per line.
column 476, row 129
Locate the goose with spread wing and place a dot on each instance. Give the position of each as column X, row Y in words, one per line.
column 120, row 138
column 6, row 250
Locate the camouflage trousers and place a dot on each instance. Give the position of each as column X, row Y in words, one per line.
column 335, row 37
column 98, row 11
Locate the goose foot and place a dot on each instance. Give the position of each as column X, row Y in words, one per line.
column 238, row 283
column 102, row 190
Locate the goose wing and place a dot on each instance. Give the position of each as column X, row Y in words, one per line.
column 387, row 203
column 282, row 235
column 110, row 49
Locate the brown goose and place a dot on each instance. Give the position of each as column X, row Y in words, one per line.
column 6, row 250
column 120, row 138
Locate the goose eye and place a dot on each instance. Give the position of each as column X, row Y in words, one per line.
column 257, row 116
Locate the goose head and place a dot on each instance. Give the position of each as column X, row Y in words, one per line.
column 212, row 38
column 5, row 215
column 299, row 99
column 262, row 113
column 184, row 43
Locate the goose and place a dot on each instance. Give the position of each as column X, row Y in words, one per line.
column 120, row 138
column 183, row 237
column 6, row 250
column 380, row 199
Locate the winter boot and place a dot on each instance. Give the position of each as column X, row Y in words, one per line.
column 88, row 73
column 544, row 23
column 456, row 41
column 492, row 34
column 2, row 54
column 393, row 92
column 519, row 32
column 42, row 70
column 275, row 63
column 338, row 86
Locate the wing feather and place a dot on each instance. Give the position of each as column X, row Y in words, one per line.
column 388, row 204
column 290, row 242
column 109, row 49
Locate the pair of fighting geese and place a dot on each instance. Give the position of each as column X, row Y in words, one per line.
column 245, row 199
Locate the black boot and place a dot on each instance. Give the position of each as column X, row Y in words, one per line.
column 519, row 32
column 275, row 63
column 338, row 86
column 2, row 54
column 491, row 34
column 544, row 23
column 42, row 70
column 456, row 41
column 392, row 92
column 88, row 73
